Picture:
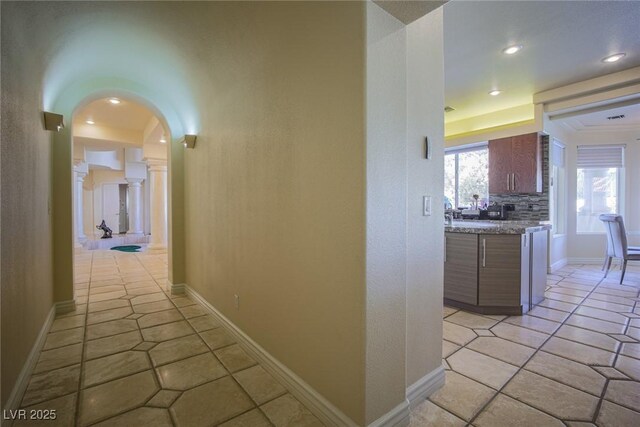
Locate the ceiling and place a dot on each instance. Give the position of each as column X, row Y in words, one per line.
column 564, row 42
column 126, row 115
column 599, row 120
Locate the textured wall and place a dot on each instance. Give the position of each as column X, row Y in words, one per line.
column 275, row 190
column 386, row 211
column 425, row 234
column 26, row 266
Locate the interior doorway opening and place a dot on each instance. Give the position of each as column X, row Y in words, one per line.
column 120, row 167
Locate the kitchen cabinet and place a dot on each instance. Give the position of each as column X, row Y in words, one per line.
column 515, row 165
column 495, row 273
column 461, row 267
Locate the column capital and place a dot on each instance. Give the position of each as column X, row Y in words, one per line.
column 157, row 165
column 80, row 176
column 136, row 182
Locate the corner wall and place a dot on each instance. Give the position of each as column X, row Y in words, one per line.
column 26, row 238
column 425, row 234
column 386, row 207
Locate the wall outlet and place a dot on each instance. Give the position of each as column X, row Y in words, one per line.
column 426, row 206
column 237, row 301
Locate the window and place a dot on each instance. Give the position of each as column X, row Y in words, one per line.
column 466, row 172
column 558, row 188
column 600, row 169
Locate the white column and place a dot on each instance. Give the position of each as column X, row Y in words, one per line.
column 80, row 237
column 158, row 187
column 135, row 206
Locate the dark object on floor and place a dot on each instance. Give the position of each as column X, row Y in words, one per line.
column 130, row 248
column 107, row 231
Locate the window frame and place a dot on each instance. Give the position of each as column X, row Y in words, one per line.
column 461, row 150
column 559, row 181
column 620, row 186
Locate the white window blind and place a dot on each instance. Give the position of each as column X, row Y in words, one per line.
column 600, row 156
column 557, row 154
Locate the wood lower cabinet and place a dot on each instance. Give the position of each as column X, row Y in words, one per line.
column 495, row 273
column 461, row 267
column 499, row 273
column 515, row 165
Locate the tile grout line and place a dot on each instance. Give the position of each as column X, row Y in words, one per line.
column 482, row 409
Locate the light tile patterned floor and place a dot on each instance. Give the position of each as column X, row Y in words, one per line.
column 131, row 355
column 573, row 360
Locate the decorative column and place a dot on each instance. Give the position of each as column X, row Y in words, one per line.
column 80, row 237
column 135, row 206
column 158, row 190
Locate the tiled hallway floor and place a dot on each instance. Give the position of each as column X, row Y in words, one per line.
column 573, row 360
column 131, row 355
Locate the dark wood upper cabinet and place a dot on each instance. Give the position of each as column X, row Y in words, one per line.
column 515, row 165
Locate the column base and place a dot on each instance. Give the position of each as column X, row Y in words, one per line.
column 156, row 247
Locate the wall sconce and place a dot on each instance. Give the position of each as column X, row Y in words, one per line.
column 53, row 121
column 188, row 141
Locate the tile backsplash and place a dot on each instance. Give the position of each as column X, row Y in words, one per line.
column 534, row 206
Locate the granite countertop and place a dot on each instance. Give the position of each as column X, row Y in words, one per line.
column 496, row 227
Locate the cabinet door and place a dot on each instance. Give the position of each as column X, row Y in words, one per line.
column 539, row 243
column 499, row 270
column 526, row 164
column 500, row 166
column 461, row 267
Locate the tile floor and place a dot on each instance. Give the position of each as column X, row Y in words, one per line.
column 132, row 355
column 574, row 360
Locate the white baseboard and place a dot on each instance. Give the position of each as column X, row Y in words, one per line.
column 20, row 386
column 176, row 288
column 63, row 307
column 425, row 387
column 400, row 416
column 578, row 260
column 314, row 401
column 558, row 265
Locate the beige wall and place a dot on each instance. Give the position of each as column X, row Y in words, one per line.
column 26, row 266
column 386, row 206
column 274, row 191
column 425, row 234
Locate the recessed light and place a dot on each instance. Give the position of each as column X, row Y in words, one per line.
column 90, row 122
column 163, row 141
column 614, row 58
column 495, row 92
column 512, row 49
column 114, row 101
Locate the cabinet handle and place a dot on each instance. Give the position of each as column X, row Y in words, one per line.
column 513, row 181
column 525, row 240
column 508, row 183
column 484, row 252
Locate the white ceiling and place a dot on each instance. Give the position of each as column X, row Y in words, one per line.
column 126, row 115
column 598, row 120
column 564, row 42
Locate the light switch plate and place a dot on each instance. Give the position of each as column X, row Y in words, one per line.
column 426, row 206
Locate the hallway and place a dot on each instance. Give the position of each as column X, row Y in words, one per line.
column 132, row 355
